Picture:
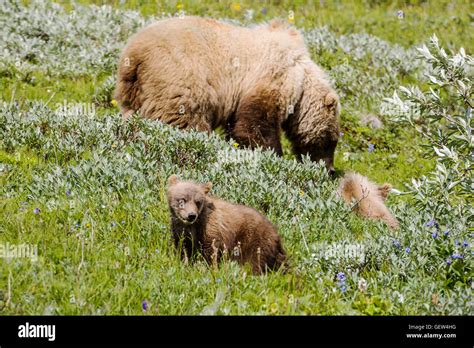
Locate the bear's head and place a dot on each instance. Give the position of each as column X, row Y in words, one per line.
column 187, row 199
column 325, row 144
column 313, row 128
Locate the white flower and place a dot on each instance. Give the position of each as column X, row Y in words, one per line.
column 362, row 285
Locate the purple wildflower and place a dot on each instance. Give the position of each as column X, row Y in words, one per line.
column 341, row 276
column 446, row 233
column 396, row 244
column 113, row 224
column 343, row 287
column 371, row 148
column 456, row 242
column 449, row 261
column 435, row 235
column 456, row 256
column 465, row 244
column 407, row 250
column 36, row 210
column 68, row 193
column 144, row 305
column 430, row 223
column 264, row 11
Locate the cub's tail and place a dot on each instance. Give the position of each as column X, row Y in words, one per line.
column 369, row 198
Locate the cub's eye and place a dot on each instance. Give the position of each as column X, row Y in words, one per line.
column 198, row 204
column 181, row 203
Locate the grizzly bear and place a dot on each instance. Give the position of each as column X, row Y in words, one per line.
column 199, row 73
column 369, row 198
column 214, row 228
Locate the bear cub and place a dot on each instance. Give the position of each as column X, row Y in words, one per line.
column 215, row 228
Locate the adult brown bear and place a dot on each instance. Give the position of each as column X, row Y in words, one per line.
column 200, row 73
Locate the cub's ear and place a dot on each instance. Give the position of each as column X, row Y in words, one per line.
column 172, row 180
column 207, row 187
column 384, row 190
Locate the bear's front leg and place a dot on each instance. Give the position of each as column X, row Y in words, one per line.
column 257, row 122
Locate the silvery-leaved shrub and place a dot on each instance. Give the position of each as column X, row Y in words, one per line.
column 442, row 114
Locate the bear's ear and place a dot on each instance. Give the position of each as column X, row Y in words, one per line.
column 172, row 180
column 330, row 99
column 207, row 187
column 384, row 190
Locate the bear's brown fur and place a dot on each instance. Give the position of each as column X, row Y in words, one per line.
column 213, row 227
column 369, row 198
column 199, row 73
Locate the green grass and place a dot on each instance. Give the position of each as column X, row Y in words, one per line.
column 106, row 247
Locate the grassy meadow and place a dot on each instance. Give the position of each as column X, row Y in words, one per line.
column 87, row 189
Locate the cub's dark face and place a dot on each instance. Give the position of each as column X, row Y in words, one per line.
column 186, row 199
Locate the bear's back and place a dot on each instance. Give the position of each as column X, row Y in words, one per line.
column 242, row 222
column 192, row 72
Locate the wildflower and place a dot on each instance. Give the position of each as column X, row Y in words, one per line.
column 179, row 6
column 218, row 280
column 274, row 307
column 235, row 6
column 341, row 276
column 343, row 287
column 114, row 102
column 68, row 193
column 249, row 14
column 465, row 244
column 396, row 244
column 301, row 193
column 123, row 222
column 236, row 145
column 88, row 225
column 371, row 148
column 434, row 235
column 291, row 16
column 430, row 223
column 362, row 285
column 400, row 14
column 456, row 256
column 449, row 261
column 407, row 250
column 446, row 233
column 264, row 11
column 36, row 210
column 113, row 224
column 144, row 305
column 341, row 134
column 456, row 242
